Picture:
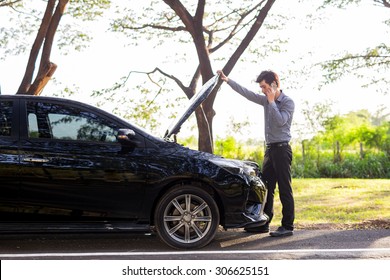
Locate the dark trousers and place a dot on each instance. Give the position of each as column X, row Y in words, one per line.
column 277, row 169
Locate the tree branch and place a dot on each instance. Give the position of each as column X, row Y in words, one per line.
column 236, row 28
column 200, row 12
column 385, row 3
column 4, row 3
column 183, row 14
column 153, row 26
column 186, row 90
column 195, row 28
column 55, row 20
column 249, row 36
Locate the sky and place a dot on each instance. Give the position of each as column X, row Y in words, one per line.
column 107, row 59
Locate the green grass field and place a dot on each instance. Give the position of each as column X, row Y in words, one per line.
column 339, row 203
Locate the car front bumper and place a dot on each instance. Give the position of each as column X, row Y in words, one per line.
column 250, row 211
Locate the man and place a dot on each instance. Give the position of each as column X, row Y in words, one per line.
column 278, row 114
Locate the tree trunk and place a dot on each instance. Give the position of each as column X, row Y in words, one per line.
column 361, row 150
column 205, row 124
column 39, row 39
column 337, row 157
column 42, row 78
column 44, row 37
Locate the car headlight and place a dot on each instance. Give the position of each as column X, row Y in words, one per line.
column 249, row 170
column 236, row 166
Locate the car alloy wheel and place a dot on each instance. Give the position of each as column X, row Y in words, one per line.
column 187, row 217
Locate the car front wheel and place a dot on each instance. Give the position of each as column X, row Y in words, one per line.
column 186, row 217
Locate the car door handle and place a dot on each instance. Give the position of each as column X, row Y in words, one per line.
column 36, row 160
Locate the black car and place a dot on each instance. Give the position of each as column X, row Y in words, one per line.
column 66, row 166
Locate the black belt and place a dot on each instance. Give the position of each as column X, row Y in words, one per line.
column 277, row 144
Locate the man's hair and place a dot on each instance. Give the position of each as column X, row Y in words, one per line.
column 269, row 77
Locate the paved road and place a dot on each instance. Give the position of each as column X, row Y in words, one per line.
column 228, row 245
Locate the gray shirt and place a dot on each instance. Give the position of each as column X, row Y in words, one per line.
column 277, row 115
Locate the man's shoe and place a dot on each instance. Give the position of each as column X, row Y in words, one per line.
column 280, row 232
column 260, row 229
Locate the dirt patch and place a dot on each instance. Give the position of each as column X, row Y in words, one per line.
column 369, row 224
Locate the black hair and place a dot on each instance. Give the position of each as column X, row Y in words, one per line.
column 269, row 77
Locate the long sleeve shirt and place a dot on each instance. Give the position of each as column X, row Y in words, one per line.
column 277, row 115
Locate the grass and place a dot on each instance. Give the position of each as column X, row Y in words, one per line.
column 339, row 203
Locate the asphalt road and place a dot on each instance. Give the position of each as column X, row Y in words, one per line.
column 228, row 245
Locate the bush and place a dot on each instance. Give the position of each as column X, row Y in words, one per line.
column 352, row 166
column 316, row 163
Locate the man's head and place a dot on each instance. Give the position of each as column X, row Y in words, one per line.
column 268, row 79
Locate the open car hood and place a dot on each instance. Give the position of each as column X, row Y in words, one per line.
column 194, row 103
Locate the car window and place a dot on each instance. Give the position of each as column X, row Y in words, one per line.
column 56, row 121
column 5, row 118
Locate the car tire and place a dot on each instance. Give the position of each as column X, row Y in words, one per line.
column 186, row 217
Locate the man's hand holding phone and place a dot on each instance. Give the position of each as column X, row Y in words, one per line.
column 271, row 93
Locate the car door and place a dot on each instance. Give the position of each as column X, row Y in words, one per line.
column 9, row 158
column 73, row 166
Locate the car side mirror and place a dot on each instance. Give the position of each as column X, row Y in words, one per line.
column 126, row 135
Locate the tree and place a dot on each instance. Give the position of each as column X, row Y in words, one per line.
column 208, row 32
column 34, row 81
column 374, row 58
column 315, row 117
column 358, row 127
